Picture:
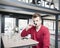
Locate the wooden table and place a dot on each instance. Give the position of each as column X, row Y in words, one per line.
column 15, row 41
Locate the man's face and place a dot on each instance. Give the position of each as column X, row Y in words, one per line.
column 37, row 21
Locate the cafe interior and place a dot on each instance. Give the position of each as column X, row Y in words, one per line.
column 15, row 15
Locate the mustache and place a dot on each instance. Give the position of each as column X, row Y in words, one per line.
column 35, row 23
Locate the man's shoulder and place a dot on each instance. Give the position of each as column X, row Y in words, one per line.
column 44, row 27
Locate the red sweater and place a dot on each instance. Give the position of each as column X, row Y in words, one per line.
column 42, row 36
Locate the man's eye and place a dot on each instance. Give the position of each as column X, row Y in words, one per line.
column 33, row 21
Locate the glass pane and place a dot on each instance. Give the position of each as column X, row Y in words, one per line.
column 9, row 24
column 0, row 30
column 0, row 23
column 50, row 24
column 22, row 24
column 30, row 21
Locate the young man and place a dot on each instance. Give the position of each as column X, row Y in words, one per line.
column 38, row 32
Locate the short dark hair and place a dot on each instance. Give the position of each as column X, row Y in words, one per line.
column 36, row 15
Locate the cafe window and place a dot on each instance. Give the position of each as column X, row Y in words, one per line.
column 50, row 24
column 22, row 23
column 9, row 24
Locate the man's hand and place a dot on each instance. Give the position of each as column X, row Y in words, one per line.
column 29, row 26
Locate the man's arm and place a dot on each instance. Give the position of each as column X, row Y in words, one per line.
column 46, row 40
column 26, row 31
